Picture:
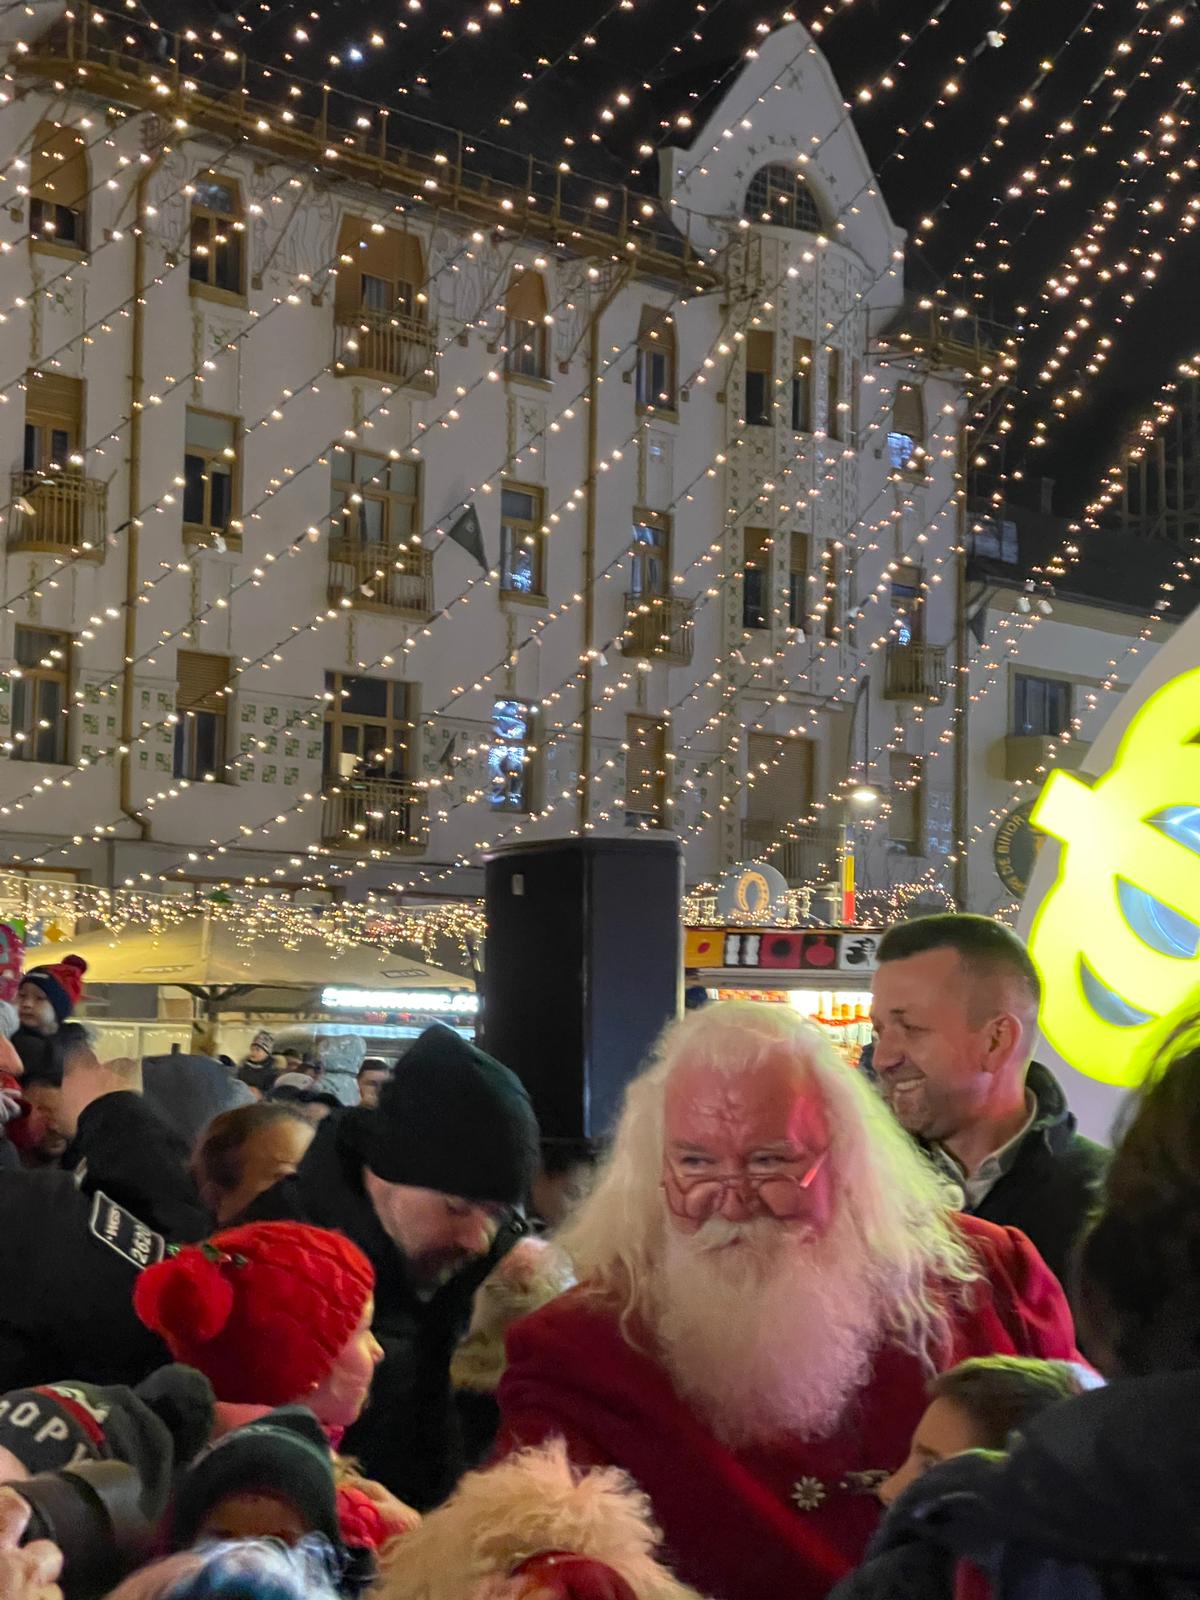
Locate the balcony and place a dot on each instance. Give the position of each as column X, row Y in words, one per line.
column 381, row 577
column 388, row 346
column 804, row 854
column 659, row 628
column 386, row 816
column 1029, row 757
column 915, row 672
column 61, row 513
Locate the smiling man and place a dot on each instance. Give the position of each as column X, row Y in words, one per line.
column 955, row 1009
column 768, row 1276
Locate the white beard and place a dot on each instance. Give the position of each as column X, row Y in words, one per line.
column 771, row 1336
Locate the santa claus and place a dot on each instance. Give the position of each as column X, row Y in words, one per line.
column 769, row 1275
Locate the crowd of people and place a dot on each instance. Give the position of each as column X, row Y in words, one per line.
column 797, row 1330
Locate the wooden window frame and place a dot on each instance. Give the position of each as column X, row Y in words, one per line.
column 43, row 414
column 657, row 342
column 658, row 808
column 400, row 725
column 803, row 373
column 531, row 533
column 31, row 678
column 205, row 253
column 199, row 532
column 834, row 561
column 526, row 335
column 502, row 802
column 209, row 709
column 760, row 339
column 643, row 517
column 834, row 418
column 757, row 547
column 349, row 524
column 41, row 194
column 912, row 839
column 798, row 564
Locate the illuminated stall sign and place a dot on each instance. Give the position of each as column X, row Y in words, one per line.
column 1117, row 936
column 781, row 950
column 428, row 1002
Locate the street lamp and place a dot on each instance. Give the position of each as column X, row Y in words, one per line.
column 859, row 800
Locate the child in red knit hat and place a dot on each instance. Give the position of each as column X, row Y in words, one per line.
column 279, row 1313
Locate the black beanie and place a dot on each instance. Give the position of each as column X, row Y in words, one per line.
column 284, row 1454
column 154, row 1428
column 454, row 1119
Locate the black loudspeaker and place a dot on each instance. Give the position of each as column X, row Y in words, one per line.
column 583, row 969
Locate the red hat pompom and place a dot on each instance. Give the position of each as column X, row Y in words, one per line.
column 189, row 1292
column 77, row 962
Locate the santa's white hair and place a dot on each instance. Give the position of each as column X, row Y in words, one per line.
column 890, row 1264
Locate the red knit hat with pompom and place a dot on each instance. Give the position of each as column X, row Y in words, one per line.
column 263, row 1311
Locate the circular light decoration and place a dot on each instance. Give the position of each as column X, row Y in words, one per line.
column 1113, row 912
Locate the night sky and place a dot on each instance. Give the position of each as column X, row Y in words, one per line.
column 570, row 59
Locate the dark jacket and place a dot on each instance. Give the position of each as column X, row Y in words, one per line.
column 124, row 1148
column 409, row 1438
column 1054, row 1183
column 68, row 1264
column 41, row 1056
column 1096, row 1502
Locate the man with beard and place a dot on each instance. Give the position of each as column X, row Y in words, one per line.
column 769, row 1275
column 430, row 1186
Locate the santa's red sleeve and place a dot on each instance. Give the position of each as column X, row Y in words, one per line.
column 1027, row 1300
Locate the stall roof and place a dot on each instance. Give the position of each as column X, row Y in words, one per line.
column 203, row 953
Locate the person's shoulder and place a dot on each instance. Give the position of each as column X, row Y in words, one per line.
column 580, row 1320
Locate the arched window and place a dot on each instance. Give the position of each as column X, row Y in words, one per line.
column 526, row 333
column 58, row 187
column 380, row 305
column 906, row 437
column 216, row 257
column 779, row 196
column 656, row 361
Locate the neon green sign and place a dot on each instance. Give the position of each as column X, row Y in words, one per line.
column 1117, row 938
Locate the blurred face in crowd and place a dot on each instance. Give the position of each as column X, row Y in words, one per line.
column 941, row 1037
column 252, row 1515
column 370, row 1081
column 439, row 1233
column 45, row 1113
column 34, row 1010
column 745, row 1147
column 340, row 1399
column 268, row 1154
column 258, row 1053
column 945, row 1430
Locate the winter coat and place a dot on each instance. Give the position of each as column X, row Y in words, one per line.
column 68, row 1264
column 1096, row 1502
column 124, row 1148
column 41, row 1055
column 409, row 1438
column 1054, row 1182
column 189, row 1091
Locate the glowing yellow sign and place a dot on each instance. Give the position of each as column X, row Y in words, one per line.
column 1117, row 938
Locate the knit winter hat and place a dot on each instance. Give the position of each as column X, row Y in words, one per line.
column 285, row 1454
column 262, row 1310
column 454, row 1119
column 62, row 984
column 156, row 1427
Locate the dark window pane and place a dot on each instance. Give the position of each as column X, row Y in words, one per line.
column 193, row 489
column 221, row 493
column 515, row 504
column 365, row 697
column 371, row 521
column 33, row 447
column 178, row 761
column 199, row 247
column 758, row 400
column 208, row 743
column 796, row 600
column 754, row 598
column 378, row 294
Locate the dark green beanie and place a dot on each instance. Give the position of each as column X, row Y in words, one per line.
column 454, row 1119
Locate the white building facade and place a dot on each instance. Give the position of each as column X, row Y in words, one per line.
column 355, row 526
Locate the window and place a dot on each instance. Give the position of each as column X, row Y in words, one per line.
column 40, row 696
column 780, row 197
column 834, row 419
column 645, row 771
column 802, row 379
column 522, row 541
column 510, row 755
column 906, row 824
column 53, row 421
column 756, row 578
column 798, row 581
column 906, row 437
column 526, row 330
column 216, row 255
column 656, row 360
column 210, row 472
column 58, row 187
column 1041, row 705
column 834, row 571
column 760, row 369
column 368, row 727
column 381, row 273
column 908, row 604
column 374, row 500
column 856, row 383
column 650, row 555
column 202, row 705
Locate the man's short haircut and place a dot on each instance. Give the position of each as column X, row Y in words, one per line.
column 1003, row 1394
column 373, row 1064
column 982, row 944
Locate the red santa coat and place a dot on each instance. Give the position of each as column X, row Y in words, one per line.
column 782, row 1521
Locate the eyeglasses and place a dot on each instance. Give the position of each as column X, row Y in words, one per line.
column 695, row 1197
